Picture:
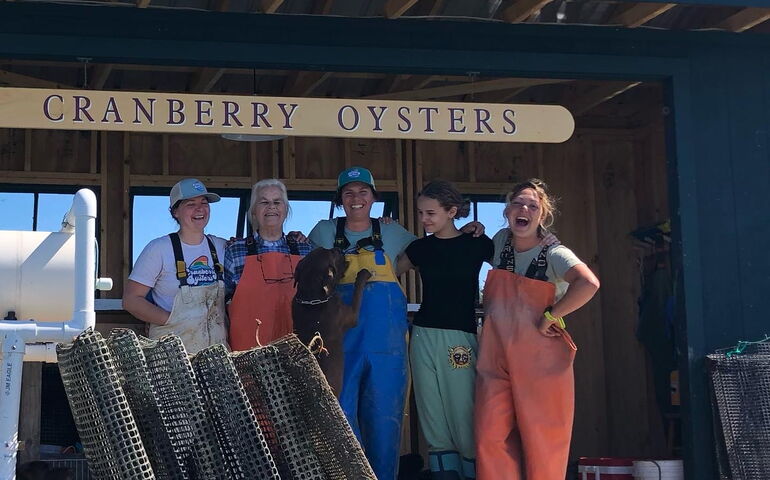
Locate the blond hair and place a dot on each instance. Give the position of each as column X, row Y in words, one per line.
column 547, row 202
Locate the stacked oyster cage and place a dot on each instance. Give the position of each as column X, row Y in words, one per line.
column 740, row 397
column 144, row 410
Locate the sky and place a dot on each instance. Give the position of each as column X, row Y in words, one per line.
column 151, row 218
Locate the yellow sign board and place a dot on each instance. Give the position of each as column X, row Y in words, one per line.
column 257, row 115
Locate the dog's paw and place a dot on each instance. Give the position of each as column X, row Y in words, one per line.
column 363, row 275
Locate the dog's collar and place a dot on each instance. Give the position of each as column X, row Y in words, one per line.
column 315, row 301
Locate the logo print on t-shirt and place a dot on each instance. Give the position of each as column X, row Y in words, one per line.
column 200, row 273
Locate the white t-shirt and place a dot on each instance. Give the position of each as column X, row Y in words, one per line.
column 155, row 267
column 560, row 259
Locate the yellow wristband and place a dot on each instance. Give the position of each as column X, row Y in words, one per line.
column 558, row 320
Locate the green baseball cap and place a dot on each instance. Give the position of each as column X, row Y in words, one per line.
column 355, row 174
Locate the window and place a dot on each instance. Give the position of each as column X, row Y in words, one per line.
column 489, row 213
column 151, row 219
column 34, row 208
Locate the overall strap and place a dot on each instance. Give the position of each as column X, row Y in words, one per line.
column 507, row 255
column 214, row 258
column 340, row 240
column 251, row 246
column 181, row 267
column 375, row 240
column 539, row 265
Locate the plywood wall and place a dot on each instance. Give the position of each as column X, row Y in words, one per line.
column 609, row 183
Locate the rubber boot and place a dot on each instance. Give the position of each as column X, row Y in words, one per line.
column 445, row 466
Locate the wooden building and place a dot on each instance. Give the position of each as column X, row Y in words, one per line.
column 671, row 123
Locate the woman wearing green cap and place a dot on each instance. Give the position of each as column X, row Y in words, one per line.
column 374, row 381
column 176, row 285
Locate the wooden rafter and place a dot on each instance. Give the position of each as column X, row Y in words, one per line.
column 436, row 7
column 219, row 5
column 745, row 19
column 639, row 14
column 300, row 84
column 498, row 96
column 322, row 7
column 100, row 75
column 494, row 6
column 270, row 6
column 522, row 9
column 396, row 8
column 19, row 80
column 599, row 95
column 412, row 82
column 466, row 88
column 142, row 3
column 204, row 79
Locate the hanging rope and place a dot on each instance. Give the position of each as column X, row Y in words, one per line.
column 742, row 345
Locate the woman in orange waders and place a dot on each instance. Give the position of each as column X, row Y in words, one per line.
column 259, row 270
column 525, row 386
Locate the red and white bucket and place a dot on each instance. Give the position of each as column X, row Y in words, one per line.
column 605, row 469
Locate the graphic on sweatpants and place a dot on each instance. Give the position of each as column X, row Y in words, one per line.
column 200, row 273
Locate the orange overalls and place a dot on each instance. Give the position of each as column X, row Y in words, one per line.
column 524, row 403
column 264, row 292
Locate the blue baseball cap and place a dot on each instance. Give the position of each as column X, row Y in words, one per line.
column 191, row 188
column 355, row 174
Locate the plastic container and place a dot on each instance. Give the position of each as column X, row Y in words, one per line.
column 605, row 469
column 658, row 470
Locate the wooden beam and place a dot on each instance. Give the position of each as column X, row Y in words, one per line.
column 745, row 19
column 29, row 418
column 522, row 9
column 396, row 8
column 100, row 75
column 639, row 14
column 466, row 88
column 142, row 3
column 19, row 80
column 270, row 6
column 204, row 79
column 600, row 95
column 303, row 83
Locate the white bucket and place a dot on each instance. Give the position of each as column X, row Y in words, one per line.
column 658, row 470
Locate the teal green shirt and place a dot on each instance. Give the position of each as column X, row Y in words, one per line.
column 395, row 238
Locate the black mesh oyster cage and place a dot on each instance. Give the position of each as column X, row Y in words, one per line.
column 740, row 397
column 145, row 410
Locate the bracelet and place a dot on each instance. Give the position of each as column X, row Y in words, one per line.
column 557, row 320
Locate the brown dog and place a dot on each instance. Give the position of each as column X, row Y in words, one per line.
column 320, row 316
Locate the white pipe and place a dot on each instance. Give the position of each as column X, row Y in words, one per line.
column 82, row 215
column 40, row 352
column 15, row 334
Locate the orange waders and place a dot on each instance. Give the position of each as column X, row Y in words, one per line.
column 264, row 292
column 524, row 385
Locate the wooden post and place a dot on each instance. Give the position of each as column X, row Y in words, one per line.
column 29, row 413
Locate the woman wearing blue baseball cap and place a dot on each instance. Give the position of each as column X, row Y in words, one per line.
column 374, row 383
column 176, row 285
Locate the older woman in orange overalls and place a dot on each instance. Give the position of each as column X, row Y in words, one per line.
column 525, row 386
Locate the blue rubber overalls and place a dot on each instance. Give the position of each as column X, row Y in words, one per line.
column 374, row 382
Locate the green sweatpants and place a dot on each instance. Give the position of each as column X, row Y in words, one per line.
column 444, row 372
